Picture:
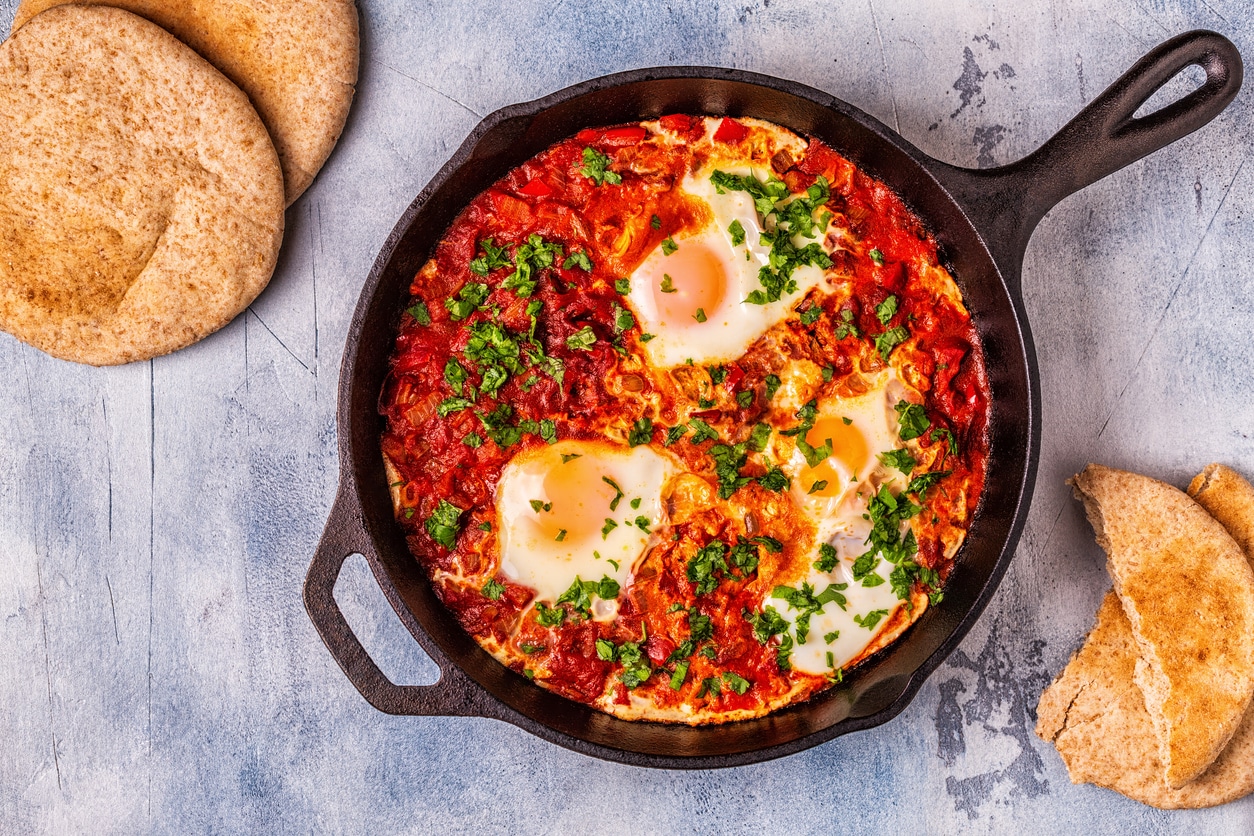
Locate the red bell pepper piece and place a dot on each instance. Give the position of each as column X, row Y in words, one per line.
column 536, row 188
column 624, row 136
column 729, row 130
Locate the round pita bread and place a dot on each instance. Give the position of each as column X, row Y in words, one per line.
column 1188, row 593
column 141, row 200
column 296, row 60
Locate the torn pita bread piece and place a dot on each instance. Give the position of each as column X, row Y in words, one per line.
column 141, row 199
column 296, row 59
column 1095, row 716
column 1188, row 593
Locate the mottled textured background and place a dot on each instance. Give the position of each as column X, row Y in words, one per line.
column 159, row 673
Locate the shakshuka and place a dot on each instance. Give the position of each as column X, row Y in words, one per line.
column 686, row 418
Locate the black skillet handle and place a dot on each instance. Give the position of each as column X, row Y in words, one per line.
column 453, row 696
column 1007, row 203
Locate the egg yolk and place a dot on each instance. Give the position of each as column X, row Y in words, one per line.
column 580, row 499
column 849, row 449
column 698, row 280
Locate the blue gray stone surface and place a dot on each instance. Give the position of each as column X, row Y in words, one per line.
column 159, row 673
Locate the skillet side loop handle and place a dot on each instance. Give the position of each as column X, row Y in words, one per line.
column 344, row 536
column 1006, row 203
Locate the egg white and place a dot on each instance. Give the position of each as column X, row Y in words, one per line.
column 733, row 324
column 578, row 503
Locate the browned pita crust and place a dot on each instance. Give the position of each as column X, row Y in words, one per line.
column 1188, row 593
column 1230, row 500
column 141, row 200
column 296, row 60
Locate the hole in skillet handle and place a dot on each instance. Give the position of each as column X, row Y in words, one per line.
column 451, row 696
column 1005, row 204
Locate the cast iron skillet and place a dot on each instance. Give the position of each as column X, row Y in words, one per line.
column 982, row 219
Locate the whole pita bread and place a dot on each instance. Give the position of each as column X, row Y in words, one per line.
column 141, row 200
column 296, row 59
column 1188, row 593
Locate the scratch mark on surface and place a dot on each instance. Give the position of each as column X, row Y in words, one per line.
column 440, row 93
column 113, row 608
column 104, row 409
column 1155, row 20
column 30, row 395
column 43, row 617
column 152, row 540
column 1215, row 13
column 313, row 261
column 1079, row 71
column 1128, row 32
column 1040, row 554
column 279, row 341
column 884, row 65
column 1171, row 299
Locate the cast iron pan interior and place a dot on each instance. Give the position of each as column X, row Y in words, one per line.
column 983, row 221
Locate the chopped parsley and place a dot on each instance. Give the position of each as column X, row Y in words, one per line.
column 623, row 319
column 655, row 222
column 758, row 437
column 705, row 564
column 913, row 419
column 492, row 258
column 609, row 526
column 816, row 486
column 493, row 590
column 701, row 431
column 549, row 616
column 675, row 433
column 737, row 232
column 827, row 558
column 890, row 339
column 467, row 301
column 419, row 312
column 772, row 385
column 454, row 375
column 728, row 459
column 680, row 674
column 736, row 682
column 596, row 168
column 618, row 492
column 807, row 604
column 566, row 457
column 717, row 374
column 846, row 328
column 946, row 435
column 668, row 286
column 622, row 286
column 774, row 480
column 581, row 593
column 699, row 316
column 442, row 524
column 877, row 256
column 870, row 619
column 885, row 310
column 669, row 246
column 582, row 339
column 450, row 405
column 579, row 259
column 745, row 398
column 793, row 215
column 811, row 315
column 641, row 432
column 900, row 459
column 920, row 484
